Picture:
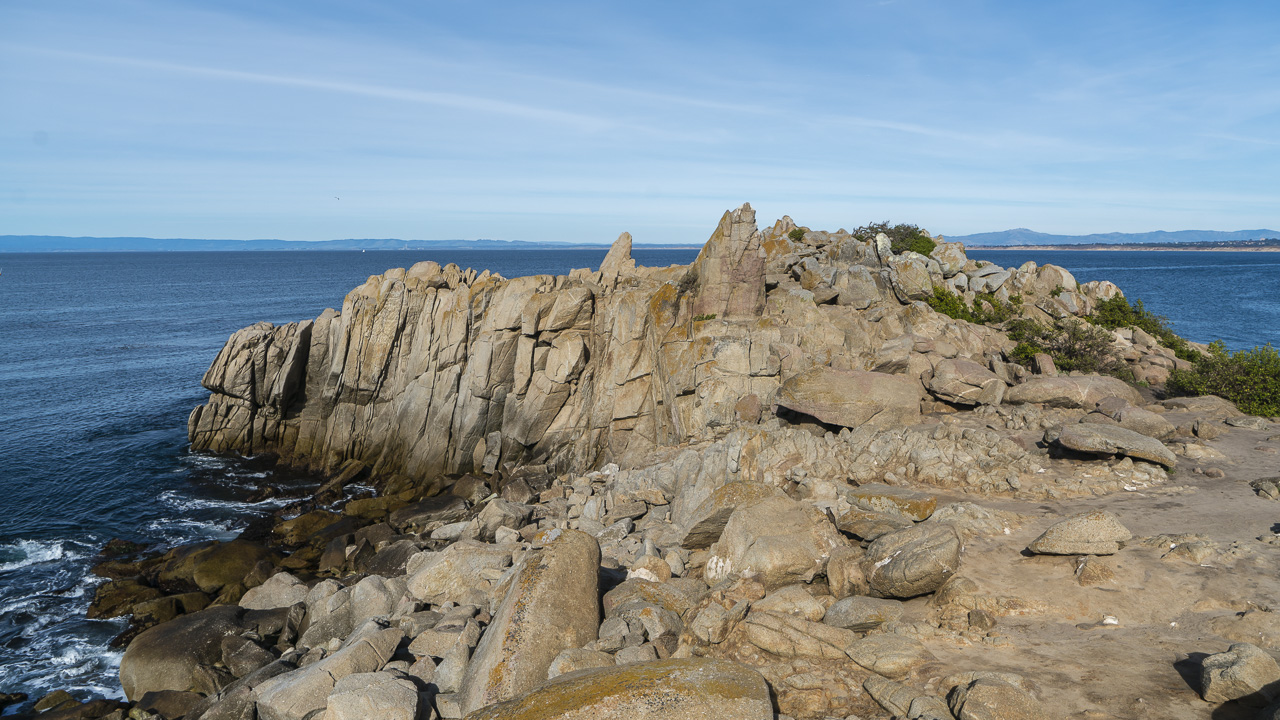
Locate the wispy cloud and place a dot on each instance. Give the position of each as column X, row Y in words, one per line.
column 447, row 118
column 441, row 99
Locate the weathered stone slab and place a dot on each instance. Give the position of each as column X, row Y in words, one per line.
column 683, row 689
column 852, row 398
column 552, row 605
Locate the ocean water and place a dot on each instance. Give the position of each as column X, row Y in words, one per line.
column 101, row 357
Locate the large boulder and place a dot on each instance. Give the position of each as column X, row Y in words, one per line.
column 912, row 561
column 862, row 614
column 236, row 701
column 379, row 695
column 228, row 563
column 1139, row 420
column 1092, row 533
column 852, row 398
column 552, row 605
column 439, row 509
column 857, row 287
column 1207, row 405
column 333, row 612
column 280, row 590
column 1243, row 673
column 909, row 276
column 1084, row 391
column 456, row 573
column 212, row 566
column 950, row 257
column 890, row 655
column 965, row 382
column 675, row 689
column 118, row 597
column 707, row 521
column 295, row 695
column 776, row 541
column 989, row 698
column 1099, row 439
column 169, row 656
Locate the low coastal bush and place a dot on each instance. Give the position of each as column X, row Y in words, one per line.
column 1248, row 378
column 1072, row 343
column 796, row 234
column 902, row 237
column 1118, row 313
column 987, row 309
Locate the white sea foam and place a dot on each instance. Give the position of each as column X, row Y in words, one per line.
column 30, row 552
column 186, row 530
column 175, row 500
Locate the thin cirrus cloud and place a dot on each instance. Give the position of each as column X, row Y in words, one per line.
column 442, row 99
column 575, row 121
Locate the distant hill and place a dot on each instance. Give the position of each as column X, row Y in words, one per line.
column 57, row 243
column 1023, row 236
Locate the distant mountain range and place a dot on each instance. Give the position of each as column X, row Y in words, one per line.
column 1023, row 236
column 57, row 243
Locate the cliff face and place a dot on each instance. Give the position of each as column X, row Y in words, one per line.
column 438, row 370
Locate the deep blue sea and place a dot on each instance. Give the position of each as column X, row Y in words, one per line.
column 101, row 357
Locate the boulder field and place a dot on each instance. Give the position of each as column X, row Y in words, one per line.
column 773, row 483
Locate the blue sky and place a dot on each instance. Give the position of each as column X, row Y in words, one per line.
column 575, row 121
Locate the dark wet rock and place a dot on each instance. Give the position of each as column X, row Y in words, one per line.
column 171, row 656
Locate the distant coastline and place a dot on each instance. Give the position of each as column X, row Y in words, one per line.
column 1157, row 240
column 62, row 244
column 1271, row 246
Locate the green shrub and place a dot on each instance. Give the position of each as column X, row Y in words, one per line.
column 1072, row 343
column 797, row 234
column 902, row 237
column 987, row 309
column 1118, row 313
column 700, row 318
column 950, row 304
column 991, row 310
column 1248, row 378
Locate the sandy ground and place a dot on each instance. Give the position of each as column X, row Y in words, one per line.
column 1170, row 611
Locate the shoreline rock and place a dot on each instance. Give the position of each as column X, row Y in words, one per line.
column 769, row 483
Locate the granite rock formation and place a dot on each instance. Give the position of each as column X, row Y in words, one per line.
column 772, row 483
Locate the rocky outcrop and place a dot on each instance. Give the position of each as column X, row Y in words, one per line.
column 676, row 492
column 433, row 370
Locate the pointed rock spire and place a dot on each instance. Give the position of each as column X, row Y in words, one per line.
column 618, row 261
column 730, row 268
